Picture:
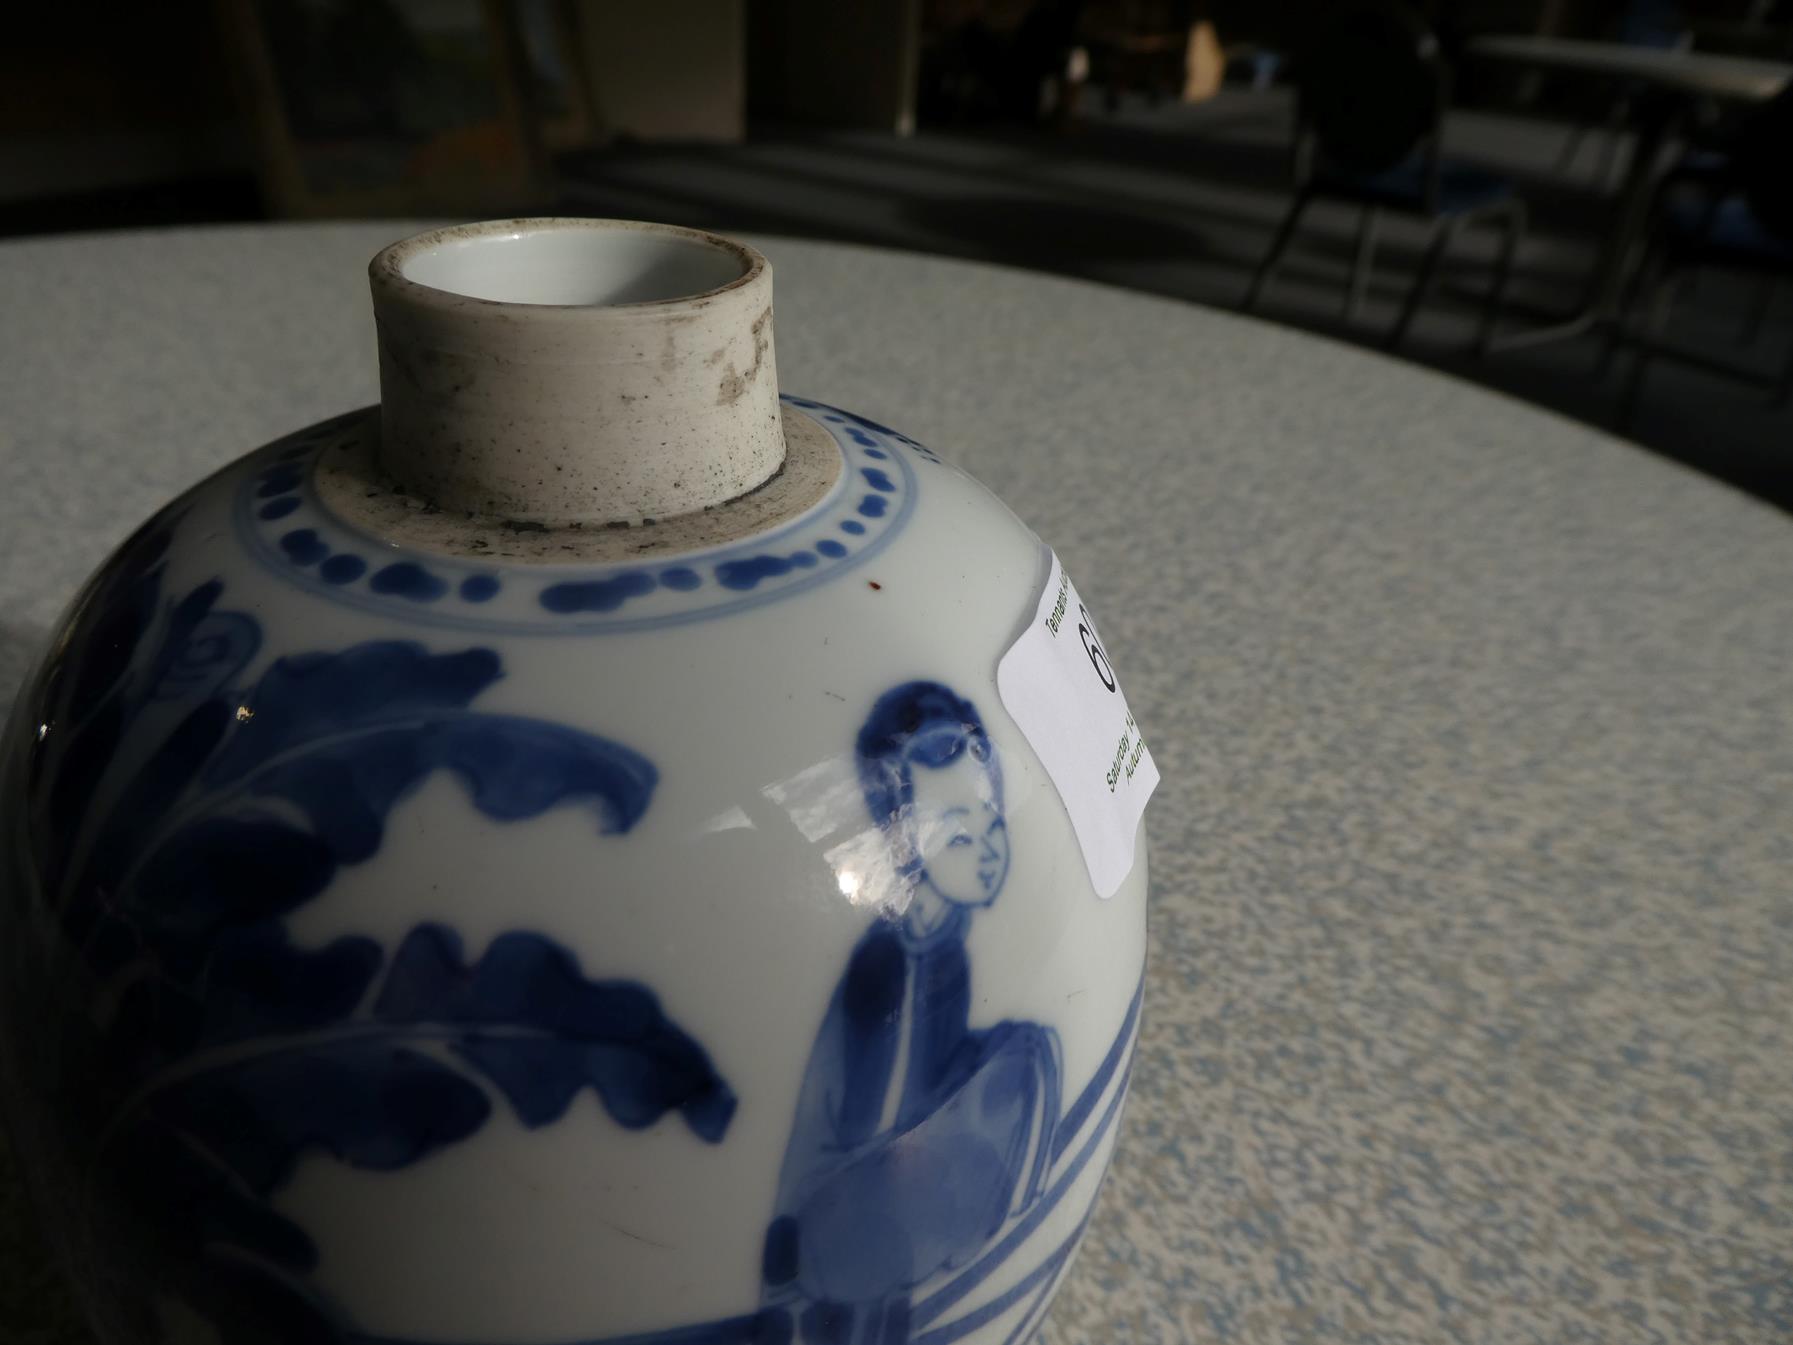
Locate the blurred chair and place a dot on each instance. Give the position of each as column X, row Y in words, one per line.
column 1733, row 212
column 1372, row 92
column 1657, row 25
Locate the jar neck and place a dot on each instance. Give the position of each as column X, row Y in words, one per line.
column 576, row 371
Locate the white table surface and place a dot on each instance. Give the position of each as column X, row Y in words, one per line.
column 1742, row 78
column 1470, row 1005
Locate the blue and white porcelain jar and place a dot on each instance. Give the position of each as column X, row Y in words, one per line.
column 545, row 861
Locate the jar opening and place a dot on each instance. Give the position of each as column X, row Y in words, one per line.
column 574, row 266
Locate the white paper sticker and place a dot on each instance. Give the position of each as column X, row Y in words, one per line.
column 1059, row 685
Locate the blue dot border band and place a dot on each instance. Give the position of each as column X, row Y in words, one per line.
column 284, row 525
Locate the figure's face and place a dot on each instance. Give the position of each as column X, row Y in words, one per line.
column 958, row 830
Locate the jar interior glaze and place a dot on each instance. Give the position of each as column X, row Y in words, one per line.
column 576, row 267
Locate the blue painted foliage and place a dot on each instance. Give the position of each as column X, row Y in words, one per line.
column 182, row 816
column 184, row 811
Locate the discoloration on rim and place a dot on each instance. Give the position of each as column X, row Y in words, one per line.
column 352, row 487
column 591, row 412
column 734, row 384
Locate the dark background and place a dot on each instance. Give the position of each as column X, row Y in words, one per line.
column 1140, row 144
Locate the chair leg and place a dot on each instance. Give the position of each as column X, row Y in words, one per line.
column 1442, row 234
column 1759, row 310
column 1360, row 268
column 1639, row 287
column 1657, row 299
column 1513, row 218
column 1609, row 156
column 1613, row 144
column 1571, row 143
column 1284, row 233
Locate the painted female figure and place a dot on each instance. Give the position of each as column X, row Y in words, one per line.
column 916, row 1135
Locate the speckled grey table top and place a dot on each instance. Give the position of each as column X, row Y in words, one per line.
column 1470, row 1009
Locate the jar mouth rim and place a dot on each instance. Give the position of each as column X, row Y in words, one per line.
column 617, row 266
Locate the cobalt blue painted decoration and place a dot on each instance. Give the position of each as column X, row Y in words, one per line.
column 224, row 807
column 281, row 520
column 916, row 1137
column 280, row 481
column 559, row 1031
column 924, row 1155
column 406, row 579
column 866, row 423
column 304, row 546
column 597, row 595
column 343, row 569
column 744, row 574
column 925, row 1321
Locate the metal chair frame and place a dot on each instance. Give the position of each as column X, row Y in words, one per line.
column 1312, row 185
column 1758, row 175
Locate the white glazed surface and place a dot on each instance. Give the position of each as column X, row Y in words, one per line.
column 738, row 898
column 573, row 266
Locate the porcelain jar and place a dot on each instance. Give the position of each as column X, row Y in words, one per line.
column 545, row 859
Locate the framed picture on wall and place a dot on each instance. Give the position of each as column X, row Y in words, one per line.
column 391, row 107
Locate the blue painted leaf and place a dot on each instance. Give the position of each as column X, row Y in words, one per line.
column 363, row 1090
column 113, row 616
column 230, row 1053
column 79, row 695
column 226, row 1254
column 258, row 983
column 253, row 983
column 202, row 917
column 250, row 1302
column 154, row 1170
column 143, row 806
column 219, row 872
column 183, row 655
column 541, row 1032
column 73, row 767
column 364, row 1100
column 513, row 768
column 223, row 867
column 204, row 655
column 306, row 697
column 193, row 914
